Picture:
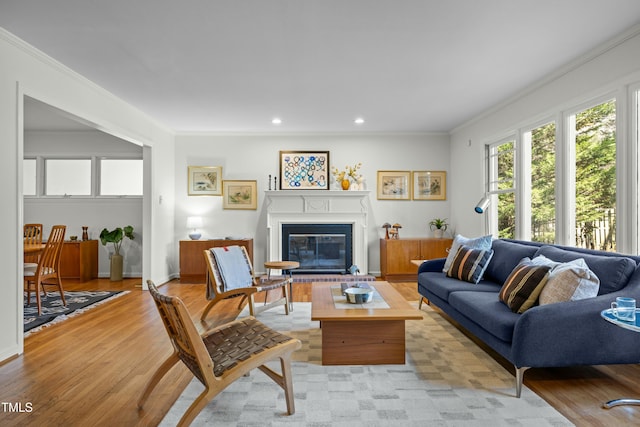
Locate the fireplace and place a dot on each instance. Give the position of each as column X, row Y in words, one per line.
column 319, row 248
column 323, row 208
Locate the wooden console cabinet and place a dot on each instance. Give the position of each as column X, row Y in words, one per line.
column 396, row 256
column 193, row 268
column 79, row 260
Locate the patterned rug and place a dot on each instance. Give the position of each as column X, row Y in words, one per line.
column 447, row 381
column 54, row 312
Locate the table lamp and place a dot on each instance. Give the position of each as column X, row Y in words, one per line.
column 194, row 222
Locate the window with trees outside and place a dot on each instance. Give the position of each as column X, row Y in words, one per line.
column 502, row 186
column 542, row 141
column 587, row 188
column 594, row 134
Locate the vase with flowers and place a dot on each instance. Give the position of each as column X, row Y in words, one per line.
column 349, row 178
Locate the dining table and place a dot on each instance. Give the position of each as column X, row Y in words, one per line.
column 33, row 248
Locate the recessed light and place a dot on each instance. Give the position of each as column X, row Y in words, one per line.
column 276, row 120
column 358, row 121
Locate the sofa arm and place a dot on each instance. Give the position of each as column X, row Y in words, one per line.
column 432, row 265
column 572, row 333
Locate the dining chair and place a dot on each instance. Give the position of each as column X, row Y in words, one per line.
column 32, row 236
column 47, row 268
column 220, row 355
column 230, row 274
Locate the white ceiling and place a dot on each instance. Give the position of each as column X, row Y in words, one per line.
column 231, row 66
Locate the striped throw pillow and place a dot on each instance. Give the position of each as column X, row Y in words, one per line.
column 469, row 264
column 523, row 286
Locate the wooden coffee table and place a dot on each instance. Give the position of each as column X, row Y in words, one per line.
column 362, row 336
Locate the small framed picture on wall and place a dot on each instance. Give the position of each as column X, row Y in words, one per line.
column 205, row 180
column 429, row 185
column 394, row 185
column 239, row 194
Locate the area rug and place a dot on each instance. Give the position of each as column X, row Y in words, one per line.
column 447, row 381
column 54, row 312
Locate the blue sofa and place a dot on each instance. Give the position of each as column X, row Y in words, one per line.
column 568, row 333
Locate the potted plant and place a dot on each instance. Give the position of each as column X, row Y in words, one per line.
column 438, row 226
column 116, row 236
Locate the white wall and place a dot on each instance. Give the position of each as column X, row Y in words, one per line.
column 605, row 71
column 256, row 157
column 25, row 71
column 96, row 213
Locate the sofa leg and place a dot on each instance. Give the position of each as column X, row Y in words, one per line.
column 420, row 302
column 519, row 379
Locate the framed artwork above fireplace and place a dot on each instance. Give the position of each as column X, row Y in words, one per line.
column 304, row 170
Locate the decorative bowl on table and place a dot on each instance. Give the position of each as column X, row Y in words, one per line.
column 358, row 295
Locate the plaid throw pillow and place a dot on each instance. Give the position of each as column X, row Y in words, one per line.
column 523, row 286
column 469, row 264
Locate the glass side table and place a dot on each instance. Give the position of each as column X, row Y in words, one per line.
column 633, row 326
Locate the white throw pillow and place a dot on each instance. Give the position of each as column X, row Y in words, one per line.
column 568, row 281
column 483, row 243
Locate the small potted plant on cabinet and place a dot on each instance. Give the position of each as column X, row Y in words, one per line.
column 116, row 236
column 438, row 226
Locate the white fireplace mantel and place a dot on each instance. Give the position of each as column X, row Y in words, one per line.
column 318, row 207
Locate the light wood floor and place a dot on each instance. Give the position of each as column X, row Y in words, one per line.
column 90, row 370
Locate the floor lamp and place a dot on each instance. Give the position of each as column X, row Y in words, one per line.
column 481, row 208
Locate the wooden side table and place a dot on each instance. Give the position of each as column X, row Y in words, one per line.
column 286, row 267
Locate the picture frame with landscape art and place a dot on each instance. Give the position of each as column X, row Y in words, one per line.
column 238, row 194
column 304, row 170
column 429, row 185
column 205, row 180
column 394, row 185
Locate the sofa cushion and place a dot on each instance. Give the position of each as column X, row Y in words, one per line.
column 442, row 286
column 469, row 264
column 486, row 310
column 568, row 281
column 523, row 286
column 613, row 271
column 483, row 242
column 506, row 255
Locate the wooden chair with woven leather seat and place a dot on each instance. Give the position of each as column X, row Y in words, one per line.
column 47, row 269
column 32, row 236
column 230, row 273
column 220, row 355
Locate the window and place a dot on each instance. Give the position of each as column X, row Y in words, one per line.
column 595, row 177
column 109, row 177
column 29, row 182
column 542, row 141
column 121, row 177
column 525, row 176
column 502, row 186
column 68, row 177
